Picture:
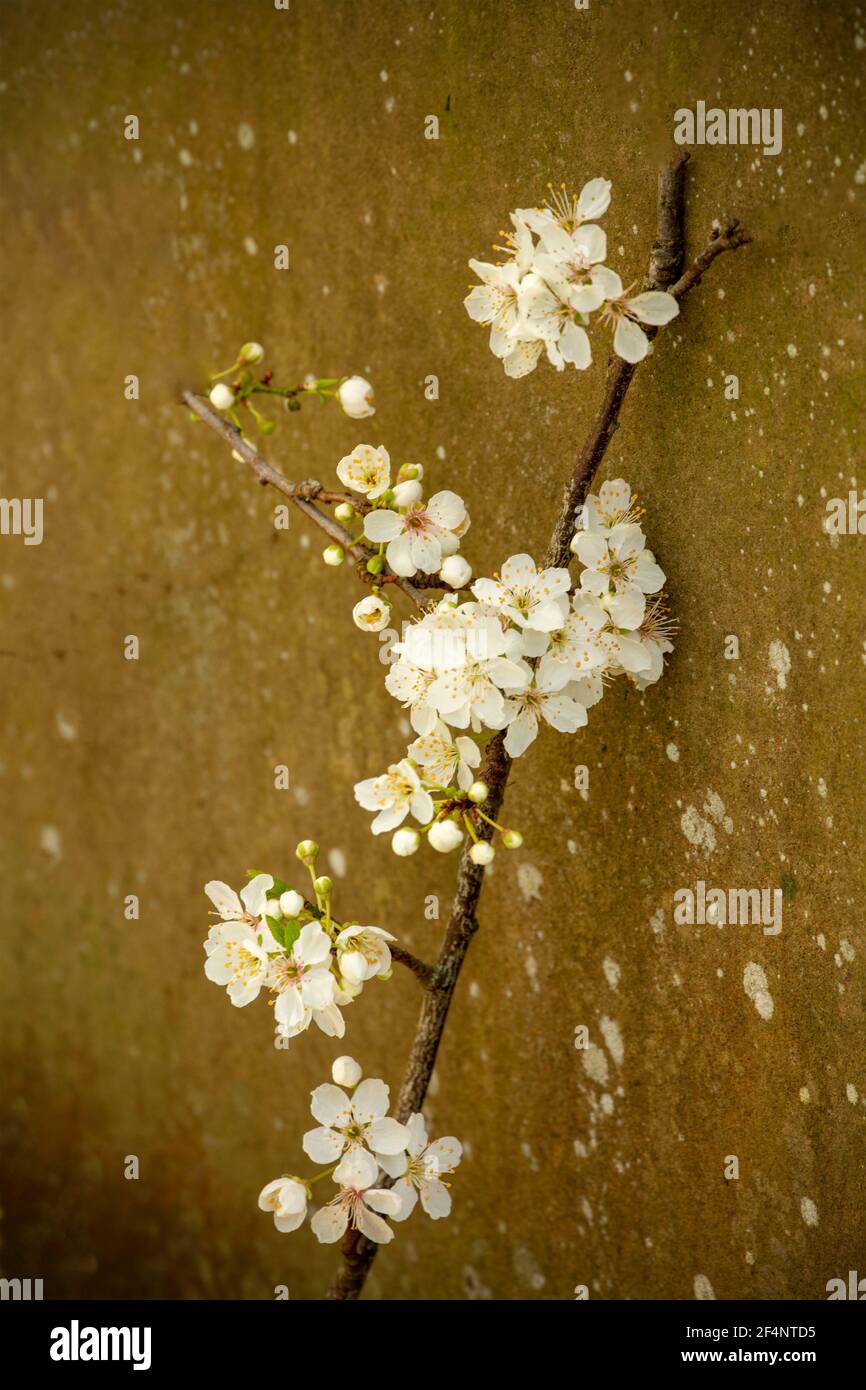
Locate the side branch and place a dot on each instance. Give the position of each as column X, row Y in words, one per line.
column 301, row 494
column 664, row 268
column 418, row 967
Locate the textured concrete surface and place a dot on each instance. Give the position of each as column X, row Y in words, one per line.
column 154, row 258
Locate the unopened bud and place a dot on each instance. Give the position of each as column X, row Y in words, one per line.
column 323, row 886
column 252, row 353
column 344, row 511
column 512, row 839
column 333, row 555
column 482, row 853
column 346, row 1072
column 478, row 792
column 221, row 397
column 307, row 851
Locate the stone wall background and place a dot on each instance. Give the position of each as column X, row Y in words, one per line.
column 155, row 258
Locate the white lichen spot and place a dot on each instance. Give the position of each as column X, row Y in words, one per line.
column 246, row 135
column 846, row 950
column 529, row 882
column 851, row 1093
column 698, row 832
column 704, row 1290
column 595, row 1064
column 337, row 863
column 66, row 728
column 673, row 752
column 657, row 922
column 612, row 972
column 755, row 985
column 805, row 1095
column 808, row 1211
column 780, row 662
column 610, row 1031
column 51, row 841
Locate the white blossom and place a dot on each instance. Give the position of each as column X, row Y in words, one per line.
column 365, row 952
column 444, row 759
column 544, row 699
column 529, row 597
column 618, row 560
column 419, row 538
column 287, row 1199
column 301, row 979
column 627, row 313
column 426, row 1168
column 393, row 795
column 357, row 1203
column 359, row 1122
column 366, row 470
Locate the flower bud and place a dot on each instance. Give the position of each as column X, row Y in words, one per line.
column 323, row 886
column 344, row 511
column 405, row 842
column 375, row 564
column 372, row 614
column 273, row 909
column 353, row 967
column 409, row 472
column 307, row 851
column 221, row 397
column 478, row 792
column 346, row 1072
column 512, row 839
column 333, row 555
column 356, row 398
column 444, row 835
column 291, row 903
column 252, row 353
column 456, row 571
column 407, row 494
column 482, row 853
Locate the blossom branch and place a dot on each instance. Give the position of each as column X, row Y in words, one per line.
column 665, row 265
column 300, row 494
column 420, row 968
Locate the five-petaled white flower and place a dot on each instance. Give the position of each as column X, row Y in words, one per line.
column 442, row 758
column 545, row 698
column 613, row 504
column 494, row 301
column 287, row 1199
column 627, row 313
column 426, row 1168
column 366, row 470
column 617, row 561
column 301, row 978
column 360, row 1123
column 357, row 1203
column 529, row 597
column 419, row 538
column 397, row 792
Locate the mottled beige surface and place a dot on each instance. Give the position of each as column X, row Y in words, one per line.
column 155, row 776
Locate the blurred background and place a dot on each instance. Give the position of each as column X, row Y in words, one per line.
column 154, row 257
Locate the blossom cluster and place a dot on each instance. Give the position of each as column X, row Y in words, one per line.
column 365, row 1148
column 269, row 936
column 527, row 646
column 541, row 298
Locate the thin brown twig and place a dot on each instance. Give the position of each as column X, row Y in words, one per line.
column 300, row 494
column 357, row 1251
column 420, row 968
